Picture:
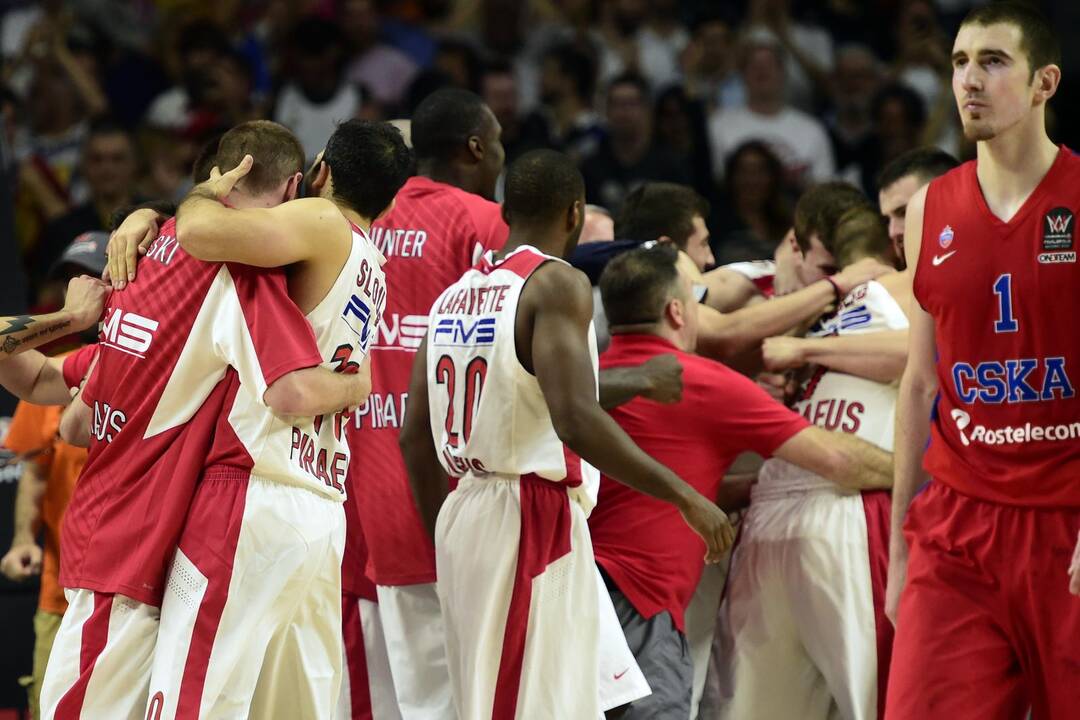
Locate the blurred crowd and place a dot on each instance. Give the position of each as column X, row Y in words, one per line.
column 107, row 102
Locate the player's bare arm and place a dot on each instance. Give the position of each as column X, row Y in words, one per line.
column 82, row 308
column 23, row 560
column 36, row 378
column 844, row 459
column 293, row 232
column 554, row 315
column 429, row 482
column 879, row 356
column 318, row 391
column 728, row 290
column 725, row 335
column 914, row 402
column 658, row 378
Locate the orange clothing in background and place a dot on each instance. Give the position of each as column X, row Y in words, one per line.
column 33, row 429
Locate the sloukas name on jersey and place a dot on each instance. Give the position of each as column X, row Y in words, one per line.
column 837, row 401
column 488, row 415
column 1007, row 422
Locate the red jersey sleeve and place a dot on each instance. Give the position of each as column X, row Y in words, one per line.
column 274, row 329
column 736, row 409
column 77, row 363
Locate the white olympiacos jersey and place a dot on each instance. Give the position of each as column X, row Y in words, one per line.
column 488, row 416
column 837, row 401
column 313, row 452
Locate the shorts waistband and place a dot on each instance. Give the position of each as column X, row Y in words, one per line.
column 231, row 473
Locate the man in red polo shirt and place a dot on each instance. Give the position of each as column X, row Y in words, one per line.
column 650, row 562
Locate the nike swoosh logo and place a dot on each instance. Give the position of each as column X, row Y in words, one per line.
column 619, row 675
column 938, row 259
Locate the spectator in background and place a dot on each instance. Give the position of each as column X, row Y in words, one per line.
column 460, row 62
column 199, row 49
column 50, row 469
column 381, row 69
column 757, row 213
column 109, row 165
column 317, row 96
column 798, row 139
column 680, row 129
column 499, row 89
column 899, row 123
column 709, row 64
column 856, row 79
column 627, row 157
column 567, row 86
column 661, row 42
column 808, row 51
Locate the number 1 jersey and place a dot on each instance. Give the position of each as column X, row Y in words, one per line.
column 1006, row 427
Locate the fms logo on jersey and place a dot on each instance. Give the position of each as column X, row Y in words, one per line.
column 128, row 332
column 1057, row 238
column 464, row 331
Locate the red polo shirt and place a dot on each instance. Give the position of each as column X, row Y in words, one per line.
column 642, row 543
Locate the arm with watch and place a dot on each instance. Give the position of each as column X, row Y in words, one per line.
column 725, row 335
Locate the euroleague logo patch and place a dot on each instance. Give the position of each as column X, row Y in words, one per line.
column 946, row 237
column 1057, row 237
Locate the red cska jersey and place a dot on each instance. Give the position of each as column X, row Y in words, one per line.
column 1007, row 423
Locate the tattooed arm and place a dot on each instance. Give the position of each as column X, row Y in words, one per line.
column 85, row 300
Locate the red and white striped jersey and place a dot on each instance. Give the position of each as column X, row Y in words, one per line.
column 488, row 415
column 166, row 344
column 308, row 452
column 837, row 401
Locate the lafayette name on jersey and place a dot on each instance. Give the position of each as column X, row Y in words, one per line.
column 313, row 452
column 1007, row 422
column 838, row 401
column 488, row 415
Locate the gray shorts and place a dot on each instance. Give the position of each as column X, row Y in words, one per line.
column 663, row 655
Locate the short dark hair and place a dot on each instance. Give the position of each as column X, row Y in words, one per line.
column 636, row 285
column 444, row 121
column 630, row 78
column 860, row 232
column 369, row 162
column 1037, row 37
column 819, row 210
column 926, row 163
column 577, row 64
column 202, row 34
column 540, row 186
column 657, row 209
column 276, row 152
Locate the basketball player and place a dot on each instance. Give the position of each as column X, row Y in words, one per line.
column 986, row 625
column 506, row 376
column 82, row 308
column 265, row 640
column 878, row 356
column 811, row 561
column 899, row 180
column 651, row 560
column 155, row 396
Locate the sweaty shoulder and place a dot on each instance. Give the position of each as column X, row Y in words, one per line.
column 558, row 280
